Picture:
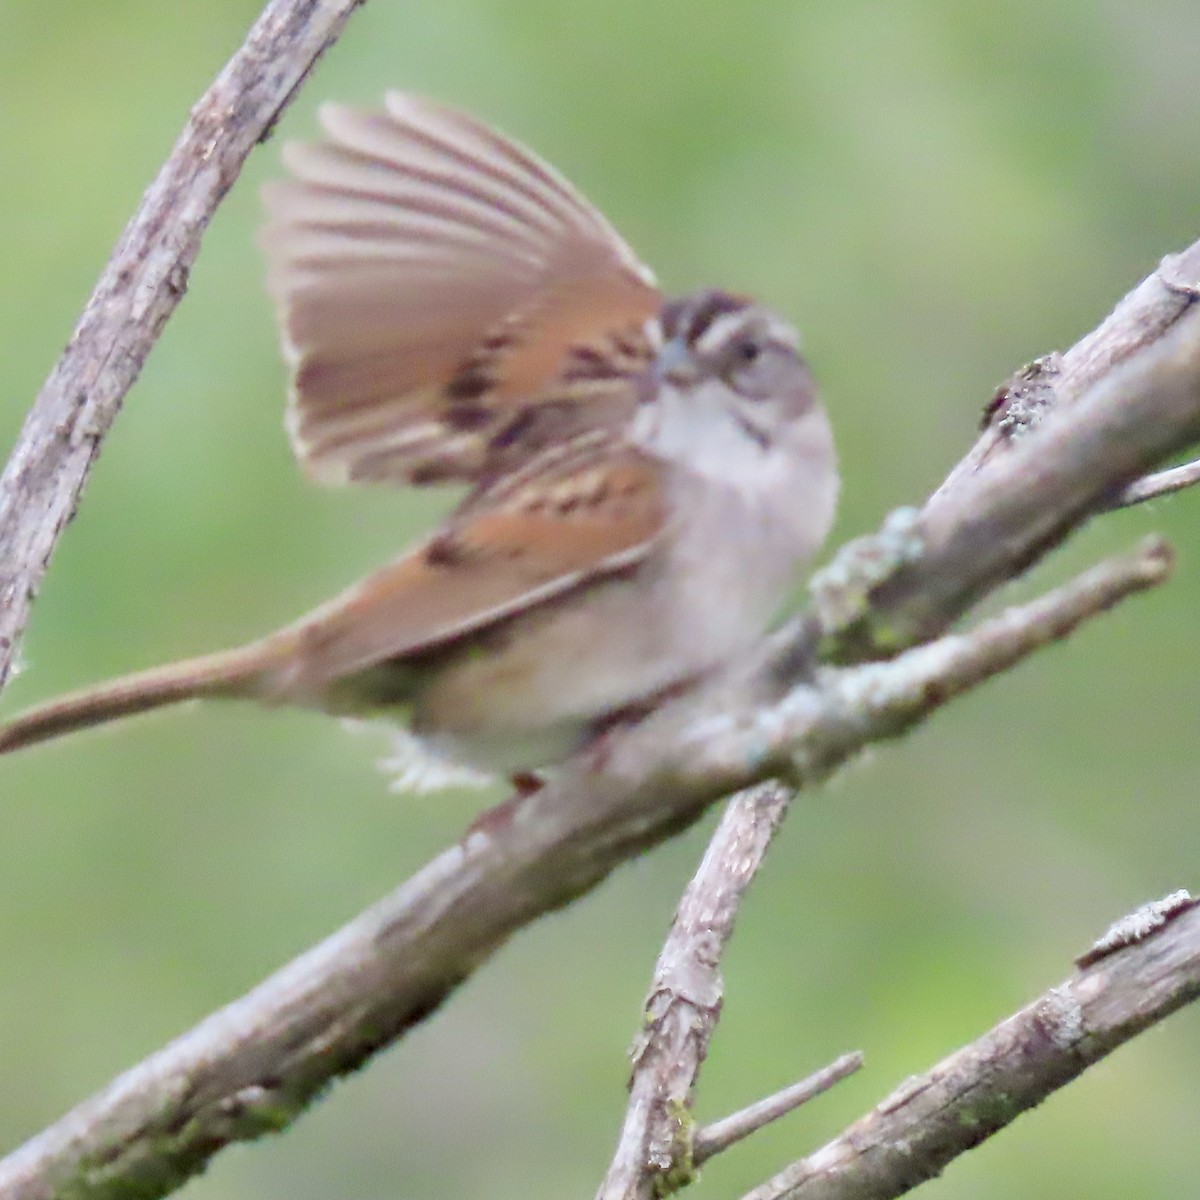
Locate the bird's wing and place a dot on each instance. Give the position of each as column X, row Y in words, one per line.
column 508, row 550
column 431, row 277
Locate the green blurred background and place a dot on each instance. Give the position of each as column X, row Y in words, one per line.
column 936, row 192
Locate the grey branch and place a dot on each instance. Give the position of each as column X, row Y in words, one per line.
column 860, row 594
column 931, row 1119
column 1001, row 512
column 685, row 999
column 145, row 279
column 722, row 1134
column 1127, row 399
column 1161, row 483
column 252, row 1067
column 658, row 1149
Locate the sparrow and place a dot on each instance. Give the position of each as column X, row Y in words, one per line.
column 645, row 475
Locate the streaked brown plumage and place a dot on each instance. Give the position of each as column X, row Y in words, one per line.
column 645, row 475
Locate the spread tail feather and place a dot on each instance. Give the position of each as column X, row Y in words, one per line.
column 226, row 673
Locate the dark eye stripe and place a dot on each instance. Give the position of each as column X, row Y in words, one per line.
column 690, row 316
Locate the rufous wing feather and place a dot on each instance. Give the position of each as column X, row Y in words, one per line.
column 430, row 276
column 560, row 527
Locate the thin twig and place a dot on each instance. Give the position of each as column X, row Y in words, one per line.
column 929, row 1120
column 720, row 1135
column 1161, row 483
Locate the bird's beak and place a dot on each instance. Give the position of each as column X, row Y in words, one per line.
column 674, row 361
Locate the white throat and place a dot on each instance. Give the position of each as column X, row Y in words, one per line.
column 782, row 475
column 698, row 430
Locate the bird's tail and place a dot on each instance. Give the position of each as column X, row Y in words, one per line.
column 227, row 673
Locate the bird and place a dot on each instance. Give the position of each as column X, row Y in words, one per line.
column 645, row 475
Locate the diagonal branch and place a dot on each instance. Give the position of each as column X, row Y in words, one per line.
column 254, row 1066
column 954, row 525
column 710, row 1140
column 145, row 279
column 990, row 522
column 931, row 1119
column 1161, row 483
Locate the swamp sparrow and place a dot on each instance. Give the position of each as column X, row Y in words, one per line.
column 646, row 475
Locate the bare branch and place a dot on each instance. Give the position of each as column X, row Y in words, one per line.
column 1057, row 380
column 145, row 279
column 658, row 1150
column 1011, row 500
column 1139, row 320
column 720, row 1135
column 252, row 1067
column 1136, row 926
column 685, row 999
column 1161, row 483
column 931, row 1119
column 852, row 600
column 655, row 1150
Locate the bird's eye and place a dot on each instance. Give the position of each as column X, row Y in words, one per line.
column 755, row 367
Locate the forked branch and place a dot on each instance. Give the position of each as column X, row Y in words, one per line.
column 657, row 1150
